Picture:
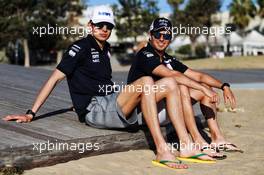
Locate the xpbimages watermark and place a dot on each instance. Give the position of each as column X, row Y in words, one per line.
column 82, row 31
column 147, row 89
column 60, row 30
column 174, row 147
column 191, row 30
column 65, row 146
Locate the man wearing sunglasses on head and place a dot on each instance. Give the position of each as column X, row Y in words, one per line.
column 152, row 60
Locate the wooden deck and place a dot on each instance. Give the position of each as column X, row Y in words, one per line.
column 56, row 124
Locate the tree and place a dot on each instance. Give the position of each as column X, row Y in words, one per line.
column 209, row 8
column 241, row 12
column 260, row 8
column 20, row 16
column 196, row 14
column 261, row 12
column 133, row 17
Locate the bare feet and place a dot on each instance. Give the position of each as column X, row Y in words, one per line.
column 225, row 146
column 168, row 156
column 189, row 151
column 208, row 149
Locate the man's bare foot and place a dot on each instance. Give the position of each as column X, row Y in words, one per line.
column 168, row 156
column 208, row 149
column 193, row 151
column 225, row 146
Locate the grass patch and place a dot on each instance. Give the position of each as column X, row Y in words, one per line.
column 248, row 62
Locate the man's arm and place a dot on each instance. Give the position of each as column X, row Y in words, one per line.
column 44, row 93
column 163, row 71
column 203, row 78
column 212, row 82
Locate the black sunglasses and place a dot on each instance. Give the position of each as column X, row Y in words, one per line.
column 100, row 25
column 157, row 35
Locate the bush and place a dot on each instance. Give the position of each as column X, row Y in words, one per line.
column 185, row 49
column 200, row 51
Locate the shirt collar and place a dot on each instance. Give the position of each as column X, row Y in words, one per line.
column 95, row 44
column 151, row 49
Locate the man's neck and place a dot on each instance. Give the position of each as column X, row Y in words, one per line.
column 160, row 53
column 100, row 43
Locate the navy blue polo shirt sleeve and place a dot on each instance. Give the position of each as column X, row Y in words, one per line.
column 70, row 59
column 148, row 62
column 178, row 66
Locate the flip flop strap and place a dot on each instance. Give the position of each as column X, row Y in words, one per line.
column 198, row 155
column 170, row 161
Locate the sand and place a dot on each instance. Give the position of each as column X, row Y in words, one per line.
column 244, row 128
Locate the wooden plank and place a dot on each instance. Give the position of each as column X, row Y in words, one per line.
column 31, row 131
column 107, row 144
column 60, row 126
column 18, row 89
column 15, row 95
column 14, row 139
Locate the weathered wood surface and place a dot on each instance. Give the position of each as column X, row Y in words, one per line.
column 56, row 124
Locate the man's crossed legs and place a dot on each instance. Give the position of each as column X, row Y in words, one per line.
column 190, row 97
column 128, row 100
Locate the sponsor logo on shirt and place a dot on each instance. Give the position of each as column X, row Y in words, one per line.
column 95, row 56
column 167, row 63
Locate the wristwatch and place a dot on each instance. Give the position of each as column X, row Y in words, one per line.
column 225, row 84
column 31, row 112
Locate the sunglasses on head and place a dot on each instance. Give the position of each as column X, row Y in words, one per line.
column 100, row 25
column 157, row 35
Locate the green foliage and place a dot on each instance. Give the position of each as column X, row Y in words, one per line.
column 200, row 51
column 133, row 17
column 194, row 14
column 20, row 16
column 261, row 8
column 241, row 12
column 185, row 49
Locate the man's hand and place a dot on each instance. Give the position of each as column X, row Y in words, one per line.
column 212, row 95
column 22, row 118
column 229, row 96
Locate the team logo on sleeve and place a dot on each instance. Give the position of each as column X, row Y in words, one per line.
column 72, row 53
column 74, row 50
column 148, row 54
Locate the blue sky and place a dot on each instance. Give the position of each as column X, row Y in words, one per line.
column 163, row 6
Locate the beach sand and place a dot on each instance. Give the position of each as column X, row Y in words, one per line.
column 244, row 128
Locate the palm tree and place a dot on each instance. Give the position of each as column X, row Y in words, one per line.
column 241, row 12
column 196, row 14
column 261, row 8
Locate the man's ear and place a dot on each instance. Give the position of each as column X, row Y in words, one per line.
column 89, row 26
column 149, row 34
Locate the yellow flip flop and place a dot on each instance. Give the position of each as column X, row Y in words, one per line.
column 162, row 164
column 194, row 159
